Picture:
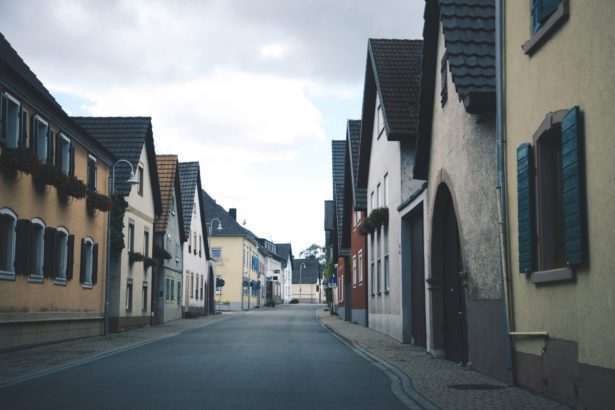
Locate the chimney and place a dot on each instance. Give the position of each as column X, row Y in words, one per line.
column 233, row 213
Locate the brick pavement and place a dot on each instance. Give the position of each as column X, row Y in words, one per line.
column 27, row 363
column 432, row 378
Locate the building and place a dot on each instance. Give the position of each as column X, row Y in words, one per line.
column 285, row 251
column 306, row 281
column 557, row 123
column 353, row 237
column 272, row 271
column 53, row 191
column 236, row 251
column 340, row 253
column 388, row 130
column 132, row 263
column 169, row 237
column 199, row 273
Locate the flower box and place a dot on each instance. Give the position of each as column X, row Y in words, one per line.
column 19, row 159
column 99, row 201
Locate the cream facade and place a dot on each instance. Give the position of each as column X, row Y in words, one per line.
column 195, row 263
column 569, row 67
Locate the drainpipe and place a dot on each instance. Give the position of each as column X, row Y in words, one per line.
column 501, row 188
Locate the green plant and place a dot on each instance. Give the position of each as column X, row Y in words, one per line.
column 74, row 187
column 50, row 175
column 135, row 257
column 161, row 253
column 19, row 159
column 294, row 301
column 379, row 217
column 118, row 210
column 99, row 201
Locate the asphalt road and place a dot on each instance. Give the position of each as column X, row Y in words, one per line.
column 274, row 359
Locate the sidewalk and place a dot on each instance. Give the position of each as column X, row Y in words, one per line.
column 441, row 382
column 28, row 363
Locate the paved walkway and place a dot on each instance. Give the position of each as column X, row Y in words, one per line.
column 441, row 382
column 24, row 364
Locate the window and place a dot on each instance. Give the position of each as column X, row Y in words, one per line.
column 202, row 280
column 8, row 221
column 551, row 214
column 371, row 202
column 385, row 246
column 144, row 298
column 190, row 242
column 192, row 285
column 179, row 292
column 10, row 133
column 386, row 189
column 146, row 242
column 37, row 252
column 194, row 243
column 173, row 204
column 354, row 270
column 40, row 137
column 546, row 17
column 167, row 289
column 92, row 174
column 380, row 121
column 172, row 289
column 386, row 274
column 378, row 195
column 140, row 176
column 89, row 263
column 129, row 296
column 378, row 277
column 341, row 287
column 59, row 249
column 131, row 237
column 444, row 79
column 216, row 253
column 360, row 262
column 63, row 154
column 200, row 242
column 194, row 208
column 168, row 243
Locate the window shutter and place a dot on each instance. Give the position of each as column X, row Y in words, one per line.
column 49, row 256
column 33, row 132
column 22, row 245
column 70, row 256
column 573, row 188
column 58, row 159
column 71, row 166
column 23, row 130
column 95, row 264
column 50, row 139
column 525, row 205
column 82, row 264
column 3, row 115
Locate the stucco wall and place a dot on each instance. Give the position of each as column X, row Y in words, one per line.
column 573, row 67
column 195, row 263
column 463, row 157
column 172, row 269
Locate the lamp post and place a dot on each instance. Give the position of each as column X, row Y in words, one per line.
column 132, row 180
column 219, row 228
column 300, row 282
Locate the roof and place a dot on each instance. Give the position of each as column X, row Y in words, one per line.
column 393, row 74
column 168, row 175
column 329, row 210
column 338, row 151
column 353, row 138
column 189, row 175
column 230, row 227
column 12, row 63
column 126, row 137
column 9, row 56
column 285, row 251
column 468, row 27
column 309, row 274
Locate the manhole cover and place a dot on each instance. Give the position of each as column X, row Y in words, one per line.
column 477, row 386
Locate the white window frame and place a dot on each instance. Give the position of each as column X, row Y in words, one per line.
column 213, row 251
column 360, row 268
column 62, row 268
column 42, row 156
column 380, row 121
column 130, row 241
column 167, row 289
column 128, row 303
column 141, row 177
column 354, row 271
column 378, row 195
column 89, row 260
column 144, row 289
column 11, row 239
column 385, row 185
column 65, row 156
column 38, row 276
column 93, row 158
column 371, row 202
column 12, row 138
column 146, row 242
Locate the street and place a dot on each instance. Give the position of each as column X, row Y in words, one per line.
column 281, row 358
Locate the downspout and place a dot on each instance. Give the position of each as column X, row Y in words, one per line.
column 501, row 188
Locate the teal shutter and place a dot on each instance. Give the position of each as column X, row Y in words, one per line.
column 71, row 164
column 70, row 256
column 525, row 207
column 541, row 10
column 95, row 264
column 23, row 134
column 82, row 264
column 33, row 133
column 573, row 188
column 49, row 256
column 50, row 156
column 22, row 245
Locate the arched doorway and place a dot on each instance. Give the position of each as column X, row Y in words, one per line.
column 448, row 295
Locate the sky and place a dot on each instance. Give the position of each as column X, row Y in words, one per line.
column 255, row 90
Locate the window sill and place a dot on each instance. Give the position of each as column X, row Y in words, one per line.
column 87, row 285
column 548, row 28
column 59, row 281
column 552, row 275
column 35, row 279
column 5, row 275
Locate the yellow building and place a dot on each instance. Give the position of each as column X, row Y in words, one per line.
column 235, row 251
column 558, row 91
column 53, row 186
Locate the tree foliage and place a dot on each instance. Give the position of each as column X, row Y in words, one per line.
column 314, row 252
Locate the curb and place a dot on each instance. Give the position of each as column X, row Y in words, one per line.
column 401, row 384
column 101, row 355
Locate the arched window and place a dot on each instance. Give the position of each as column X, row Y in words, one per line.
column 60, row 254
column 36, row 250
column 89, row 263
column 8, row 222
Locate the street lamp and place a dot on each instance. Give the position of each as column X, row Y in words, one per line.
column 211, row 224
column 300, row 282
column 132, row 180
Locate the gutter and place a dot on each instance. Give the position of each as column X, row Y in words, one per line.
column 507, row 310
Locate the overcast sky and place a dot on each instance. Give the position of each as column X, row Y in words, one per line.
column 254, row 90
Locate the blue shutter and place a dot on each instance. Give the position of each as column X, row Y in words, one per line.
column 525, row 207
column 573, row 188
column 50, row 156
column 82, row 264
column 23, row 134
column 71, row 158
column 95, row 264
column 58, row 157
column 33, row 133
column 70, row 256
column 49, row 256
column 3, row 115
column 22, row 245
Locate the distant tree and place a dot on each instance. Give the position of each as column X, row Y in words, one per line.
column 314, row 252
